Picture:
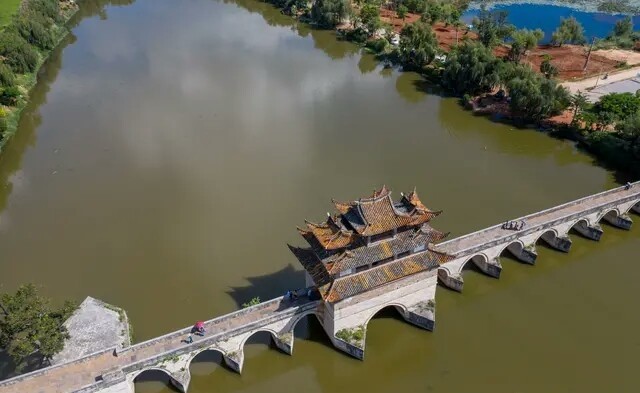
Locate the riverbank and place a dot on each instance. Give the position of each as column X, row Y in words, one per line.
column 26, row 81
column 631, row 7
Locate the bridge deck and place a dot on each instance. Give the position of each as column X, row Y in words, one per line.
column 536, row 220
column 72, row 376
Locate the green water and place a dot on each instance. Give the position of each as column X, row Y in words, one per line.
column 173, row 147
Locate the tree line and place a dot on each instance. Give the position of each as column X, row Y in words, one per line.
column 32, row 32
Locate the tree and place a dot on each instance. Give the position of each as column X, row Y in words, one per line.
column 547, row 69
column 471, row 68
column 402, row 11
column 370, row 16
column 523, row 41
column 623, row 27
column 534, row 98
column 418, row 46
column 29, row 325
column 329, row 13
column 570, row 31
column 579, row 103
column 433, row 12
column 492, row 27
column 619, row 105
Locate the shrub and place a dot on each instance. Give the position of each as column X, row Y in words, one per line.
column 34, row 33
column 252, row 302
column 377, row 46
column 49, row 9
column 9, row 95
column 19, row 55
column 7, row 79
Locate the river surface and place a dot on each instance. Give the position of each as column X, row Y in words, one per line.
column 547, row 18
column 172, row 147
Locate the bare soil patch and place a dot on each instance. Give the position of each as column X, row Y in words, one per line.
column 569, row 59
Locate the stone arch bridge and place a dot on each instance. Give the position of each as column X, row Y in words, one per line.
column 113, row 371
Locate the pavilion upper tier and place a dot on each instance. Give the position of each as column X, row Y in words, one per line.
column 372, row 241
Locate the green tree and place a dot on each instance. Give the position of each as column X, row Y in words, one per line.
column 29, row 325
column 402, row 11
column 492, row 26
column 534, row 98
column 329, row 13
column 415, row 6
column 418, row 46
column 570, row 31
column 523, row 41
column 623, row 27
column 370, row 16
column 472, row 69
column 579, row 103
column 619, row 105
column 547, row 69
column 433, row 12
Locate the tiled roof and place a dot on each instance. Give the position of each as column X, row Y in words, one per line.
column 407, row 241
column 379, row 214
column 330, row 235
column 353, row 284
column 316, row 269
column 347, row 243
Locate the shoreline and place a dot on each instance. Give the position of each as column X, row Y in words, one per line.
column 583, row 5
column 31, row 79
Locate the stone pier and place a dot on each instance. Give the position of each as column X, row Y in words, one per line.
column 523, row 254
column 491, row 267
column 451, row 281
column 559, row 242
column 593, row 232
column 622, row 221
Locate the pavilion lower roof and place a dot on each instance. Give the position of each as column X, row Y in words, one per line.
column 351, row 285
column 411, row 240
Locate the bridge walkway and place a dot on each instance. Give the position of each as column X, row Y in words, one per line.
column 477, row 240
column 69, row 377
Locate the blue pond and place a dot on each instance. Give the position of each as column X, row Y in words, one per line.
column 547, row 18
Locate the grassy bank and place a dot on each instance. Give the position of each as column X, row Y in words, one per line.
column 7, row 9
column 25, row 43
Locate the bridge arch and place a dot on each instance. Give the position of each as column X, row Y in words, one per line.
column 136, row 374
column 580, row 220
column 203, row 350
column 274, row 336
column 613, row 213
column 400, row 308
column 514, row 248
column 552, row 231
column 298, row 318
column 477, row 260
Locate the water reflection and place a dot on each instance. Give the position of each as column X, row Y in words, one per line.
column 173, row 164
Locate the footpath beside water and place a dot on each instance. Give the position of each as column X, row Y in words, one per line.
column 28, row 81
